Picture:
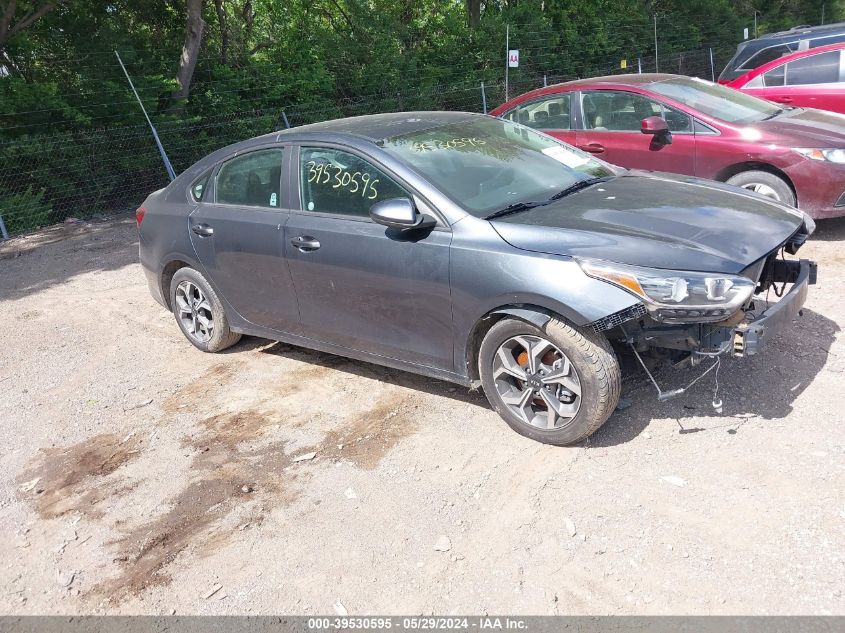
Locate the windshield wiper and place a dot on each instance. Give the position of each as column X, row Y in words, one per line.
column 773, row 114
column 578, row 186
column 524, row 206
column 516, row 208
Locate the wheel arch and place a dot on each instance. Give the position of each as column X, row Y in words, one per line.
column 534, row 314
column 166, row 276
column 730, row 171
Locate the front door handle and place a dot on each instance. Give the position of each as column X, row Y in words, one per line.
column 782, row 99
column 203, row 230
column 305, row 243
column 593, row 148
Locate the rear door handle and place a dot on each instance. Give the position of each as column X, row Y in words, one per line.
column 593, row 148
column 203, row 230
column 305, row 243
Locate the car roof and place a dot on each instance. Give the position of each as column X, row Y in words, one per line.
column 376, row 127
column 802, row 31
column 608, row 81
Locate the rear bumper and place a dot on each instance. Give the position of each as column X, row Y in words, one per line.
column 153, row 280
column 748, row 338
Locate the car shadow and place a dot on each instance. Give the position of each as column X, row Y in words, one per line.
column 832, row 230
column 758, row 387
column 38, row 261
column 372, row 371
column 763, row 386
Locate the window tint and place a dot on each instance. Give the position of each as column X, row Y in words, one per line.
column 815, row 69
column 199, row 186
column 775, row 77
column 611, row 111
column 332, row 181
column 251, row 180
column 551, row 113
column 768, row 55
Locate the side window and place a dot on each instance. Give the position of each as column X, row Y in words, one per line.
column 612, row 111
column 775, row 77
column 253, row 179
column 678, row 121
column 767, row 55
column 551, row 113
column 199, row 186
column 815, row 69
column 333, row 181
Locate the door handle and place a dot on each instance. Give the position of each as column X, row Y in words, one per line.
column 782, row 99
column 593, row 148
column 305, row 243
column 203, row 230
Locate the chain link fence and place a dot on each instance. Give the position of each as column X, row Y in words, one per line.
column 50, row 171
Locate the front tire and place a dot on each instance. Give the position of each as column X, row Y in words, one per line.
column 765, row 184
column 556, row 385
column 199, row 312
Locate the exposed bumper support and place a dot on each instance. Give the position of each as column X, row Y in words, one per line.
column 748, row 338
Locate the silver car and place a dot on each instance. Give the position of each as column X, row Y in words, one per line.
column 470, row 249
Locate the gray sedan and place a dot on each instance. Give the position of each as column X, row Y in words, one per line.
column 471, row 249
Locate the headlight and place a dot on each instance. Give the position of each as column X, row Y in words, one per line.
column 828, row 155
column 676, row 296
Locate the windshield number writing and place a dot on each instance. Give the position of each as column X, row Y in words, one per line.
column 431, row 146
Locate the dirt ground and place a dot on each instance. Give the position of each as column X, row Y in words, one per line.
column 139, row 475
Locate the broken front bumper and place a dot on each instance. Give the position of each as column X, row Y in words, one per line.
column 748, row 338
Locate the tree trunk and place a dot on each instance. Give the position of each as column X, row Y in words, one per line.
column 190, row 51
column 7, row 14
column 224, row 31
column 474, row 13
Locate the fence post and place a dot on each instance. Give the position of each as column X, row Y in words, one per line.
column 507, row 53
column 544, row 80
column 3, row 230
column 161, row 151
column 483, row 98
column 283, row 117
column 656, row 65
column 712, row 69
column 640, row 65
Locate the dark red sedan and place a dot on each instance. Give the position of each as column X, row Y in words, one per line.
column 814, row 78
column 691, row 126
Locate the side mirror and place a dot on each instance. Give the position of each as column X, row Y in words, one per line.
column 399, row 213
column 658, row 128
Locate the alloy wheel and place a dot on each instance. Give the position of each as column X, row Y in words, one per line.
column 537, row 381
column 194, row 312
column 763, row 189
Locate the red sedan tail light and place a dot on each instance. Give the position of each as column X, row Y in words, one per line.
column 139, row 215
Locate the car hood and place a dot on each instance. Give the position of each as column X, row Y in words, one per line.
column 806, row 127
column 656, row 220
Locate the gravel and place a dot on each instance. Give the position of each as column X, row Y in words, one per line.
column 127, row 454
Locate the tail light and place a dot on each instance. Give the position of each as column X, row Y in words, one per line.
column 139, row 215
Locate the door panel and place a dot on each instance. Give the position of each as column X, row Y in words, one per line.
column 241, row 246
column 369, row 288
column 360, row 284
column 611, row 131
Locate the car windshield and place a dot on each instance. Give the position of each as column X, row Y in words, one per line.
column 487, row 164
column 720, row 102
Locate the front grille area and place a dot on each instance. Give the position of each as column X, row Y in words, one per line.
column 618, row 318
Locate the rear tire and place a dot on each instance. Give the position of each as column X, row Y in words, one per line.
column 766, row 184
column 199, row 312
column 568, row 359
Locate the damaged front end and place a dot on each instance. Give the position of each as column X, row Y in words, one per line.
column 685, row 317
